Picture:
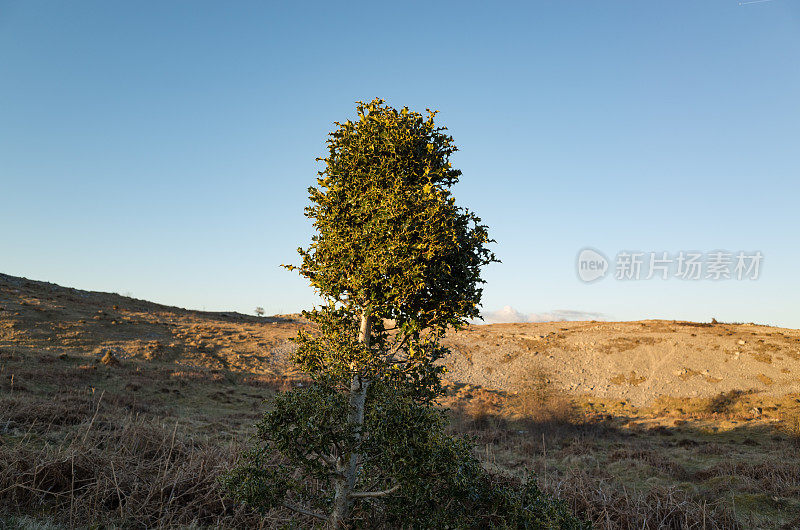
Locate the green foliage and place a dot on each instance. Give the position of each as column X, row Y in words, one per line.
column 390, row 236
column 442, row 484
column 391, row 243
column 397, row 263
column 390, row 239
column 257, row 481
column 306, row 424
column 298, row 433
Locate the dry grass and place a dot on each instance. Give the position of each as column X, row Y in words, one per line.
column 134, row 473
column 140, row 443
column 145, row 447
column 631, row 379
column 567, row 462
column 609, row 506
column 538, row 401
column 622, row 467
column 127, row 471
column 791, row 425
column 127, row 446
column 765, row 379
column 623, row 344
column 763, row 358
column 723, row 402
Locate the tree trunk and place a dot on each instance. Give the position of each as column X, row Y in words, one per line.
column 347, row 465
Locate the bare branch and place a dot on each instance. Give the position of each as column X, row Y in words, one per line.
column 400, row 344
column 382, row 493
column 303, row 511
column 329, row 460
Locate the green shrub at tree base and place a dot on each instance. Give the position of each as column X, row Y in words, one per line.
column 441, row 483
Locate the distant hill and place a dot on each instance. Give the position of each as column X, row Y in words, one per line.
column 635, row 361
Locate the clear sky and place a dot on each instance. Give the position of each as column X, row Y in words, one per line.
column 164, row 149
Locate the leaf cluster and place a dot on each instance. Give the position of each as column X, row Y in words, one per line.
column 390, row 236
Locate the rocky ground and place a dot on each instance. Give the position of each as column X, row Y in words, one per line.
column 634, row 361
column 637, row 361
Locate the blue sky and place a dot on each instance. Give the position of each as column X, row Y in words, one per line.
column 164, row 149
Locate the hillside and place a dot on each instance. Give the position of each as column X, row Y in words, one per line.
column 636, row 361
column 121, row 412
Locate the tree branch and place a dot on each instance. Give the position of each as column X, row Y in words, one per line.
column 400, row 344
column 382, row 493
column 303, row 511
column 329, row 460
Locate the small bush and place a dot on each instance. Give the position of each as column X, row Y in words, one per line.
column 439, row 483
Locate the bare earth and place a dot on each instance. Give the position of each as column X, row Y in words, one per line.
column 637, row 361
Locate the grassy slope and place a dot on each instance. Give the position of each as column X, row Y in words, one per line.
column 141, row 441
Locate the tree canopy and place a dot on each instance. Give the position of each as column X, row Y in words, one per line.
column 390, row 243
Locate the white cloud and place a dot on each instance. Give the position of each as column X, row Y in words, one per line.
column 509, row 315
